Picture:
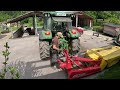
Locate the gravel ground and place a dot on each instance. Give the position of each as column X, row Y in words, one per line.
column 25, row 56
column 2, row 36
column 88, row 41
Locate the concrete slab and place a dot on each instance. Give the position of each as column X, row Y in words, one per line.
column 88, row 41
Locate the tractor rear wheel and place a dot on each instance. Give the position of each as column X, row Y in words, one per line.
column 75, row 46
column 44, row 50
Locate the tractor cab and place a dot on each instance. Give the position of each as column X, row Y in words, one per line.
column 56, row 22
column 61, row 24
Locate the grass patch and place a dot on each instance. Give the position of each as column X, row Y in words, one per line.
column 15, row 28
column 98, row 28
column 5, row 31
column 112, row 73
column 87, row 27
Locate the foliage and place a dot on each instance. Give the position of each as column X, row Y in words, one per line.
column 13, row 71
column 29, row 21
column 98, row 28
column 112, row 16
column 10, row 14
column 114, row 20
column 112, row 73
column 5, row 31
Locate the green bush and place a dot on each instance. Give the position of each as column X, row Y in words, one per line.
column 114, row 20
column 87, row 28
column 98, row 28
column 5, row 31
column 25, row 21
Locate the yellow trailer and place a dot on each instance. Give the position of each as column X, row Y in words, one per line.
column 109, row 55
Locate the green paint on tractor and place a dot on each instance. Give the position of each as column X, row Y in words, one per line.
column 47, row 36
column 76, row 35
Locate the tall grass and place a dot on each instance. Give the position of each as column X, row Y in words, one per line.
column 112, row 73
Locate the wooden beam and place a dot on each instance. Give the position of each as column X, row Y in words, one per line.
column 33, row 22
column 11, row 30
column 2, row 25
column 35, row 25
column 17, row 24
column 76, row 20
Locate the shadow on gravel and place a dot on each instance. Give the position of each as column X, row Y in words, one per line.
column 28, row 70
column 2, row 36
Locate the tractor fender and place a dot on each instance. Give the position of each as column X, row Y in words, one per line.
column 73, row 35
column 45, row 35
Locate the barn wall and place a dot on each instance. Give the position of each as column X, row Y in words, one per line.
column 82, row 21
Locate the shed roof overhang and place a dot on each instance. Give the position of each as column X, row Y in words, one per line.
column 26, row 15
column 111, row 25
column 85, row 16
column 81, row 14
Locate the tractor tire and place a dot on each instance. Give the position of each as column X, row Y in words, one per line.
column 75, row 46
column 44, row 50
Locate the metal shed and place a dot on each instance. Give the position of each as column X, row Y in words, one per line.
column 111, row 29
column 81, row 19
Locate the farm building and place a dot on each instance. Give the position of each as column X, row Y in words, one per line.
column 82, row 20
column 111, row 29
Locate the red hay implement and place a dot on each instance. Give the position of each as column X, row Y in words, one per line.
column 78, row 67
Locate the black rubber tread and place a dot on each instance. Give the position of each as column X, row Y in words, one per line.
column 75, row 46
column 44, row 49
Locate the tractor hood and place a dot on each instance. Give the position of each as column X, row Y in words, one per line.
column 62, row 19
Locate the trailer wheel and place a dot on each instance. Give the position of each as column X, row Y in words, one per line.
column 75, row 46
column 44, row 50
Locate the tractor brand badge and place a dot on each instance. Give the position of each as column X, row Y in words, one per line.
column 60, row 14
column 78, row 75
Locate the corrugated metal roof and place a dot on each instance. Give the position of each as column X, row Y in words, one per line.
column 26, row 15
column 111, row 24
column 62, row 19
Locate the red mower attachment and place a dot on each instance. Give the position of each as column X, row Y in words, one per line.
column 78, row 67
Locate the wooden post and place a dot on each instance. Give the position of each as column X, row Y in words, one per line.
column 90, row 23
column 17, row 24
column 11, row 30
column 2, row 25
column 76, row 20
column 35, row 25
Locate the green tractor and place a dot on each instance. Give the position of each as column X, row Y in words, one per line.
column 58, row 22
